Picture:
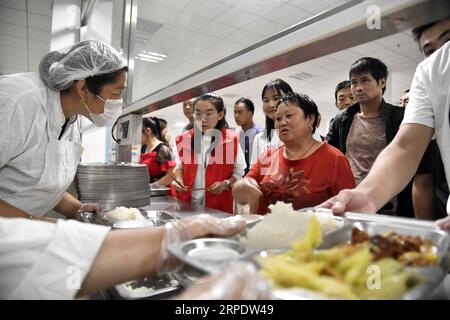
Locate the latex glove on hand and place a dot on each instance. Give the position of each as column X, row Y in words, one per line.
column 241, row 281
column 194, row 227
column 89, row 212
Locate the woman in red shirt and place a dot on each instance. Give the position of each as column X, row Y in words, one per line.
column 304, row 172
column 155, row 154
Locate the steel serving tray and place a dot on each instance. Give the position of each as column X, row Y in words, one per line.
column 148, row 287
column 434, row 275
column 211, row 255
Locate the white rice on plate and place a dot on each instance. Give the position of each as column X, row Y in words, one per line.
column 284, row 225
column 123, row 213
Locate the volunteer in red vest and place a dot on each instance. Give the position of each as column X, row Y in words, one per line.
column 209, row 158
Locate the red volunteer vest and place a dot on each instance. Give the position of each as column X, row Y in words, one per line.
column 220, row 167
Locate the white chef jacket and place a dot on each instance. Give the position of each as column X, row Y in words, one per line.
column 41, row 260
column 35, row 167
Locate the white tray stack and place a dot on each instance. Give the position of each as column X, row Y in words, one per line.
column 113, row 185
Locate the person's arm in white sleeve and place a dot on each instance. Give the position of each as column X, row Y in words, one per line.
column 239, row 165
column 255, row 149
column 178, row 172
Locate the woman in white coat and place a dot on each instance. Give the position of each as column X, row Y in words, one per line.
column 40, row 145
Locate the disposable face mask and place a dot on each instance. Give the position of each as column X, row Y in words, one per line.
column 112, row 111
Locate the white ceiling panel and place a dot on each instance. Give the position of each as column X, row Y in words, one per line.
column 244, row 37
column 217, row 29
column 173, row 33
column 208, row 9
column 263, row 26
column 229, row 2
column 188, row 21
column 259, row 7
column 287, row 15
column 176, row 4
column 236, row 17
column 202, row 40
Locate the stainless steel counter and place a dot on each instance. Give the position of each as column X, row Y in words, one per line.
column 180, row 209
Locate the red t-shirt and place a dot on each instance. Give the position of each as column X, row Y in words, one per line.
column 304, row 183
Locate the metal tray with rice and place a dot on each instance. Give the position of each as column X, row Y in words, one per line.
column 211, row 255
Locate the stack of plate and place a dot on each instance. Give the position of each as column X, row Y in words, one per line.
column 113, row 185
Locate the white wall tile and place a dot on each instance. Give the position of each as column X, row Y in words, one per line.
column 13, row 16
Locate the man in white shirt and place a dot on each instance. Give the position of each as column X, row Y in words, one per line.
column 427, row 113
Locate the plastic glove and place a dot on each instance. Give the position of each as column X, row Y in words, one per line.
column 86, row 208
column 194, row 227
column 240, row 281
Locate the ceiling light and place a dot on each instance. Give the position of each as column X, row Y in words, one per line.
column 143, row 55
column 154, row 54
column 146, row 59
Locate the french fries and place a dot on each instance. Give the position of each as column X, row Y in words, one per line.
column 344, row 272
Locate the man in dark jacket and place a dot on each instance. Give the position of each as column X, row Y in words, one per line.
column 363, row 130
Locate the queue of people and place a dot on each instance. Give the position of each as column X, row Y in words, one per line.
column 206, row 166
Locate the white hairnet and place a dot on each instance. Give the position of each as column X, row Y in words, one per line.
column 85, row 59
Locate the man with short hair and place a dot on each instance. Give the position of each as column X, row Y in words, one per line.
column 427, row 114
column 364, row 129
column 188, row 110
column 243, row 115
column 404, row 99
column 343, row 95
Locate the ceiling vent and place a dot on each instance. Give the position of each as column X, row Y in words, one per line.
column 301, row 76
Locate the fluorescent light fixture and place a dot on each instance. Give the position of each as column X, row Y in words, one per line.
column 146, row 59
column 143, row 55
column 154, row 54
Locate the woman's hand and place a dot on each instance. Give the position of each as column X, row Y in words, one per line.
column 247, row 191
column 179, row 186
column 217, row 187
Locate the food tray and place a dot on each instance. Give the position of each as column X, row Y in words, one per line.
column 148, row 287
column 433, row 275
column 211, row 255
